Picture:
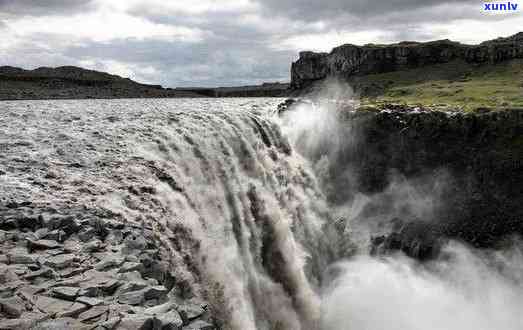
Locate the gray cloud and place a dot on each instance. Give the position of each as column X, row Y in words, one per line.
column 44, row 7
column 31, row 52
column 235, row 49
column 209, row 63
column 317, row 10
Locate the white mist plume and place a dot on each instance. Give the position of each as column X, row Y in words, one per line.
column 314, row 123
column 465, row 290
column 316, row 131
column 319, row 129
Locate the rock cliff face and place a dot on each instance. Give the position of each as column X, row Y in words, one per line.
column 466, row 168
column 426, row 175
column 350, row 60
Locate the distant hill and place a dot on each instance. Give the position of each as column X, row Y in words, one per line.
column 263, row 90
column 69, row 82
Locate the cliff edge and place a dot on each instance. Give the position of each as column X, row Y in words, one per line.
column 349, row 60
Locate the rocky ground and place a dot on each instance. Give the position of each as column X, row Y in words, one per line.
column 72, row 272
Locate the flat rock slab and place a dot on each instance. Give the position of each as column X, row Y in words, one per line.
column 8, row 289
column 30, row 290
column 60, row 261
column 110, row 261
column 111, row 323
column 7, row 275
column 139, row 322
column 155, row 292
column 41, row 233
column 27, row 321
column 65, row 323
column 13, row 307
column 93, row 246
column 109, row 286
column 51, row 305
column 70, row 272
column 199, row 325
column 43, row 244
column 73, row 311
column 132, row 297
column 160, row 309
column 65, row 292
column 21, row 257
column 189, row 312
column 130, row 266
column 170, row 320
column 44, row 272
column 93, row 313
column 90, row 301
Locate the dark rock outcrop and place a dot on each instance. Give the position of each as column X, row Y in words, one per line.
column 351, row 60
column 478, row 200
column 429, row 175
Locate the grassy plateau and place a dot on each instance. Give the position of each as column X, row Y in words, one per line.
column 457, row 85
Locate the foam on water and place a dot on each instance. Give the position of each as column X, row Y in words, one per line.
column 238, row 211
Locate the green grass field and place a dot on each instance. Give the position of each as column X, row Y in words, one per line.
column 455, row 85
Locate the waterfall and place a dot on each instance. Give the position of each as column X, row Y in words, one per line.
column 254, row 210
column 264, row 219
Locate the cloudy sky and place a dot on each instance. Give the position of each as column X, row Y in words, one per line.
column 224, row 42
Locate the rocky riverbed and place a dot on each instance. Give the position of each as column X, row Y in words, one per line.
column 72, row 271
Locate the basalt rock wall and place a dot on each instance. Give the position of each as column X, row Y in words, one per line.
column 469, row 165
column 426, row 176
column 350, row 60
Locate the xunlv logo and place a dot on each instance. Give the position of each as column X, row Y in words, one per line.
column 498, row 6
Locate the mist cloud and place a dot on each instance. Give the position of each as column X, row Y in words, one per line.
column 463, row 290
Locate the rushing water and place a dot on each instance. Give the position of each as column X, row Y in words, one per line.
column 249, row 208
column 241, row 213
